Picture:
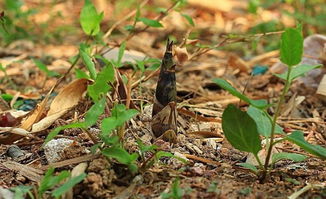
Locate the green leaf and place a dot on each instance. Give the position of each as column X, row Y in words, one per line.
column 20, row 191
column 3, row 69
column 121, row 52
column 298, row 71
column 263, row 121
column 145, row 148
column 121, row 155
column 150, row 22
column 129, row 27
column 57, row 130
column 249, row 166
column 100, row 87
column 89, row 19
column 49, row 181
column 189, row 19
column 119, row 116
column 81, row 74
column 45, row 69
column 68, row 185
column 240, row 130
column 291, row 47
column 297, row 138
column 225, row 85
column 94, row 112
column 110, row 140
column 86, row 57
column 6, row 97
column 176, row 192
column 140, row 65
column 290, row 156
column 253, row 5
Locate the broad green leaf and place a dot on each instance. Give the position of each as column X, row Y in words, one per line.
column 288, row 156
column 150, row 22
column 94, row 112
column 249, row 166
column 119, row 116
column 122, row 156
column 263, row 121
column 6, row 97
column 240, row 130
column 253, row 5
column 121, row 52
column 225, row 85
column 68, row 185
column 89, row 19
column 298, row 71
column 45, row 69
column 86, row 57
column 297, row 138
column 81, row 74
column 189, row 19
column 14, row 5
column 57, row 130
column 110, row 140
column 291, row 46
column 49, row 181
column 100, row 87
column 119, row 154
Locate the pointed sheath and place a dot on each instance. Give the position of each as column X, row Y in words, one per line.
column 165, row 96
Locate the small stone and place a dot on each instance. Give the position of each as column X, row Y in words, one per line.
column 54, row 149
column 14, row 151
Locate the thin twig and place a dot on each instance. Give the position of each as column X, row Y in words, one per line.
column 116, row 24
column 144, row 79
column 233, row 40
column 132, row 34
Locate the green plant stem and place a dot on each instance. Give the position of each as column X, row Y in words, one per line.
column 259, row 162
column 277, row 112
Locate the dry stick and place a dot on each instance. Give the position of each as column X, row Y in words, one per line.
column 242, row 39
column 158, row 18
column 66, row 74
column 144, row 79
column 129, row 87
column 203, row 51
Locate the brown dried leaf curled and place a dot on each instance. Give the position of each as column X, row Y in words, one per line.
column 67, row 98
column 182, row 54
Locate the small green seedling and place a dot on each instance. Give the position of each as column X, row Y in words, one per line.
column 155, row 155
column 45, row 69
column 213, row 188
column 51, row 182
column 175, row 193
column 244, row 129
column 21, row 191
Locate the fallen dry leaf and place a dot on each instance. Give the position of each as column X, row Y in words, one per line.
column 182, row 54
column 67, row 98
